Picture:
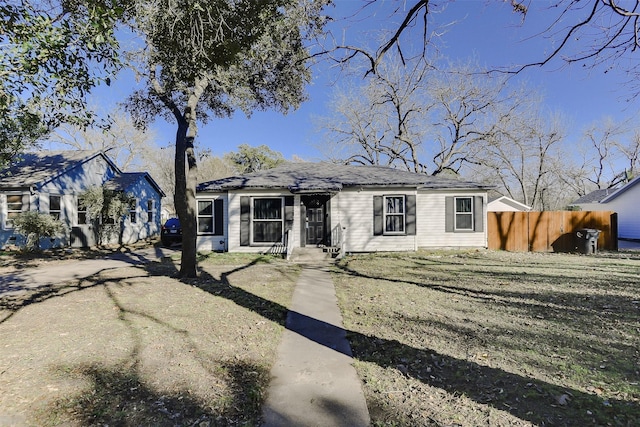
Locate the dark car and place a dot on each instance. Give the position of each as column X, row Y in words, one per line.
column 171, row 232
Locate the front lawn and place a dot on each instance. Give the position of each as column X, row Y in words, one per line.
column 135, row 347
column 495, row 338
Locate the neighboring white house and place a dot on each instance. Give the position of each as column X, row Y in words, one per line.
column 506, row 204
column 346, row 208
column 624, row 200
column 52, row 181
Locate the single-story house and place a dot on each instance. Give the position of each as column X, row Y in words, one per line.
column 506, row 204
column 341, row 208
column 53, row 181
column 624, row 200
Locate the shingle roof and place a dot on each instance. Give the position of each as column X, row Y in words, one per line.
column 31, row 169
column 329, row 177
column 593, row 197
column 608, row 194
column 618, row 192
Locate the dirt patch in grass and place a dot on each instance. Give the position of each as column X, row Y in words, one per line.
column 134, row 346
column 495, row 338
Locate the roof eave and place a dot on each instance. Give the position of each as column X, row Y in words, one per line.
column 621, row 190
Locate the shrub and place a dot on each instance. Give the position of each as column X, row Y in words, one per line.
column 108, row 208
column 35, row 225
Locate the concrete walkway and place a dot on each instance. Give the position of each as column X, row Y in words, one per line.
column 313, row 380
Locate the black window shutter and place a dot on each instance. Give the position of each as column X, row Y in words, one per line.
column 478, row 214
column 449, row 214
column 303, row 225
column 411, row 215
column 245, row 220
column 218, row 217
column 378, row 226
column 288, row 213
column 327, row 224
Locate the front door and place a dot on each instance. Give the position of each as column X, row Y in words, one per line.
column 315, row 225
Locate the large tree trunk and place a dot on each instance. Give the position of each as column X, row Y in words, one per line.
column 185, row 197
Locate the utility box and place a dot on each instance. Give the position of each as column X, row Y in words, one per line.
column 587, row 240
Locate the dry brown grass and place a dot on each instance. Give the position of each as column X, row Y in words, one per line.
column 441, row 338
column 494, row 338
column 134, row 346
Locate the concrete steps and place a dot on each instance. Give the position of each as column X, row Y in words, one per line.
column 311, row 255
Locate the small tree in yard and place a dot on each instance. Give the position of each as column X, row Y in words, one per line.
column 108, row 208
column 35, row 225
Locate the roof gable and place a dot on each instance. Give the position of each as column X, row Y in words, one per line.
column 329, row 177
column 631, row 184
column 124, row 181
column 36, row 169
column 510, row 202
column 606, row 195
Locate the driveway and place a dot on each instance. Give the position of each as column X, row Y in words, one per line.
column 67, row 270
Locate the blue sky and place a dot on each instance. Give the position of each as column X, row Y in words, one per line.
column 487, row 31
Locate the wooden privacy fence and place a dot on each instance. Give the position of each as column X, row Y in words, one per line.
column 549, row 231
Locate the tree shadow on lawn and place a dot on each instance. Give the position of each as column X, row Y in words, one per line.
column 499, row 388
column 526, row 398
column 17, row 291
column 119, row 395
column 545, row 302
column 14, row 302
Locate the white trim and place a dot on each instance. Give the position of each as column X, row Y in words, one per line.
column 403, row 214
column 212, row 216
column 76, row 217
column 133, row 211
column 252, row 220
column 456, row 213
column 8, row 211
column 3, row 210
column 621, row 190
column 151, row 212
column 509, row 201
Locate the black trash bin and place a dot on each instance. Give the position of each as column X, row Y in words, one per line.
column 587, row 241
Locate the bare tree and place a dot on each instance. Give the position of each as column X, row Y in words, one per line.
column 470, row 107
column 590, row 32
column 520, row 157
column 630, row 152
column 383, row 122
column 608, row 155
column 121, row 139
column 159, row 163
column 418, row 118
column 602, row 141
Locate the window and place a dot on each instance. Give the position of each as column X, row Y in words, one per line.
column 83, row 215
column 394, row 214
column 133, row 211
column 14, row 208
column 267, row 220
column 205, row 216
column 464, row 213
column 151, row 210
column 55, row 206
